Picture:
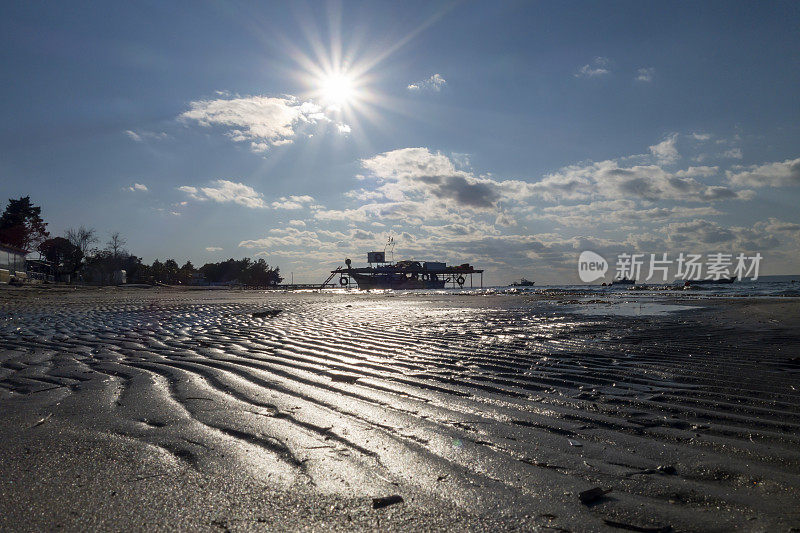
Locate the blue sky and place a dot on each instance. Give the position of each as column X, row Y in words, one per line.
column 511, row 135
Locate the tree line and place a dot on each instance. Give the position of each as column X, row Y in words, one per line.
column 75, row 256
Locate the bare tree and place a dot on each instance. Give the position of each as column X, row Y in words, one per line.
column 115, row 244
column 82, row 238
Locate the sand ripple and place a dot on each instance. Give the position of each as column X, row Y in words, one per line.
column 499, row 403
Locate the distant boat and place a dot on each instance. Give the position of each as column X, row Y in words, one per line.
column 623, row 281
column 709, row 281
column 523, row 283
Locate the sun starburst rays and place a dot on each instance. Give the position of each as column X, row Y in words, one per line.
column 341, row 74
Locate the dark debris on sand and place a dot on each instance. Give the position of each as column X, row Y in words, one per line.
column 267, row 313
column 641, row 529
column 592, row 495
column 386, row 501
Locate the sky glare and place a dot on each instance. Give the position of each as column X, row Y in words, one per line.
column 511, row 135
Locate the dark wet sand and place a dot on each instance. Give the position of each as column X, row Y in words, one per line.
column 166, row 409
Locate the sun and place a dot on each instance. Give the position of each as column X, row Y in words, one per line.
column 337, row 89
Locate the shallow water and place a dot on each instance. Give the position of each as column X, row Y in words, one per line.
column 767, row 286
column 627, row 308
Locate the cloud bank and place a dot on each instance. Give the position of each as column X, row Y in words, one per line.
column 439, row 207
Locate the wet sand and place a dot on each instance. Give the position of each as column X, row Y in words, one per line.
column 167, row 409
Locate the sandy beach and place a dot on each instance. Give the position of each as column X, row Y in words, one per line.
column 230, row 410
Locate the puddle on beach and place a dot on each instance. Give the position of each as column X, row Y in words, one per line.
column 628, row 308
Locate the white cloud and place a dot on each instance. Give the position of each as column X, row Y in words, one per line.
column 260, row 147
column 733, row 153
column 224, row 191
column 362, row 235
column 262, row 121
column 191, row 191
column 213, row 249
column 353, row 215
column 141, row 136
column 702, row 234
column 666, row 151
column 702, row 172
column 647, row 182
column 775, row 225
column 778, row 174
column 461, row 160
column 570, row 183
column 138, row 187
column 292, row 202
column 701, row 136
column 298, row 223
column 505, row 220
column 343, row 128
column 435, row 83
column 291, row 237
column 598, row 67
column 618, row 212
column 417, row 171
column 645, row 74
